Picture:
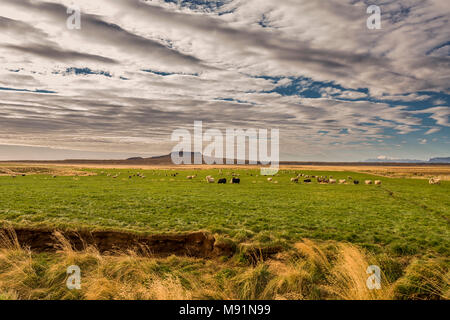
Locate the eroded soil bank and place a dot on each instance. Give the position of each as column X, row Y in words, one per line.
column 196, row 244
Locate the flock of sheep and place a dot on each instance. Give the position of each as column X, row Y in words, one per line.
column 233, row 180
column 306, row 179
column 330, row 180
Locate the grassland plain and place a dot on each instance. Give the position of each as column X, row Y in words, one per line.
column 403, row 224
column 404, row 214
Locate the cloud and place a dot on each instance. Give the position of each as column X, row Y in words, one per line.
column 433, row 130
column 152, row 66
column 440, row 114
column 57, row 54
column 422, row 141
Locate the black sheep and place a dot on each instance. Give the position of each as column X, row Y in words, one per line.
column 222, row 181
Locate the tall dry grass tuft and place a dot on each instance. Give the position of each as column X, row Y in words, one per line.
column 8, row 237
column 132, row 277
column 291, row 281
column 313, row 271
column 347, row 277
column 313, row 253
column 16, row 266
column 250, row 285
column 424, row 280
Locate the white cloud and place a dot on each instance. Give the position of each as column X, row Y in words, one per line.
column 433, row 130
column 422, row 141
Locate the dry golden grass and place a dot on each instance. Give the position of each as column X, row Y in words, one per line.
column 348, row 276
column 423, row 280
column 308, row 271
column 13, row 169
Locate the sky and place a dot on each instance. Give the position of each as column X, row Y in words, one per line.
column 137, row 70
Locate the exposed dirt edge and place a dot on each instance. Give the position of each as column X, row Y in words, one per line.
column 196, row 244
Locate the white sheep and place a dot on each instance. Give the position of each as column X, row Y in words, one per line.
column 434, row 181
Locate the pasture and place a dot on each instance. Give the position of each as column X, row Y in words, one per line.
column 400, row 216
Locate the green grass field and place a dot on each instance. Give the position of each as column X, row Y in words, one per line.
column 402, row 216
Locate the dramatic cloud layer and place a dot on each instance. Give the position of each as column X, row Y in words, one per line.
column 136, row 70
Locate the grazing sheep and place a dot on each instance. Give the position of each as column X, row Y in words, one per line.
column 434, row 181
column 355, row 182
column 378, row 182
column 349, row 178
column 332, row 181
column 342, row 181
column 269, row 179
column 222, row 181
column 324, row 181
column 294, row 180
column 368, row 182
column 235, row 180
column 210, row 179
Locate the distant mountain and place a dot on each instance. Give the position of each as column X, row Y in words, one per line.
column 395, row 161
column 440, row 160
column 388, row 160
